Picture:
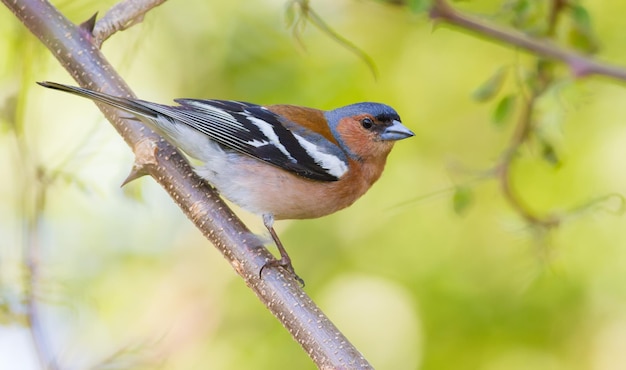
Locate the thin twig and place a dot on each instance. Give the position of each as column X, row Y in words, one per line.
column 581, row 65
column 306, row 13
column 556, row 9
column 524, row 129
column 504, row 168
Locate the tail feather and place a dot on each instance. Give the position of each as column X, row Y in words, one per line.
column 134, row 106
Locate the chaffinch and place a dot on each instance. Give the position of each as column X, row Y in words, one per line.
column 278, row 161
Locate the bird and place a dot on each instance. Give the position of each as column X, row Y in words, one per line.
column 277, row 161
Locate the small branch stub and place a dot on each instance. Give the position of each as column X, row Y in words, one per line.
column 121, row 16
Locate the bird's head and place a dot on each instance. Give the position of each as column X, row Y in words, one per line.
column 366, row 130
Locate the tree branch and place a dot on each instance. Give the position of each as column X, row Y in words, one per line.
column 121, row 16
column 279, row 292
column 580, row 64
column 524, row 129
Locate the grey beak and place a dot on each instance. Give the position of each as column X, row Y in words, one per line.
column 397, row 131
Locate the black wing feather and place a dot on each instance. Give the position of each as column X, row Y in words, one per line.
column 235, row 125
column 247, row 128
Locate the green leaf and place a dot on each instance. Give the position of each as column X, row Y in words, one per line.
column 545, row 69
column 503, row 110
column 581, row 34
column 580, row 16
column 461, row 200
column 528, row 15
column 491, row 87
column 549, row 154
column 419, row 6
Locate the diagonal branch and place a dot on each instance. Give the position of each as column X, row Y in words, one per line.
column 279, row 292
column 580, row 64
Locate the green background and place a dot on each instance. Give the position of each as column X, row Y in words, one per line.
column 412, row 283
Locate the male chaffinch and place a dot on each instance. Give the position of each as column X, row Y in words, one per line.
column 278, row 161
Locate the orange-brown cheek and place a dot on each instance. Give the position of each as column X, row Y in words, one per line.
column 354, row 137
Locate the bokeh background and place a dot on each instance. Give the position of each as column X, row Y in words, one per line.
column 127, row 282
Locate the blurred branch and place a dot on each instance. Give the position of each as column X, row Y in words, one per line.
column 556, row 8
column 31, row 178
column 121, row 16
column 300, row 11
column 543, row 79
column 279, row 292
column 538, row 82
column 35, row 181
column 581, row 65
column 504, row 173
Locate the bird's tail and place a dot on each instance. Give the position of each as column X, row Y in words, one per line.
column 134, row 106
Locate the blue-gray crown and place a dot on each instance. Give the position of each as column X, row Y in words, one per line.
column 381, row 112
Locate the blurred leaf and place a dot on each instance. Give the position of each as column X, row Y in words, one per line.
column 461, row 200
column 503, row 110
column 521, row 9
column 545, row 70
column 8, row 114
column 491, row 87
column 580, row 34
column 419, row 6
column 580, row 16
column 528, row 15
column 540, row 79
column 549, row 154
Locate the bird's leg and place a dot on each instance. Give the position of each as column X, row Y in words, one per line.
column 285, row 260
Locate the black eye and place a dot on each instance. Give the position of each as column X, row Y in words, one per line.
column 367, row 123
